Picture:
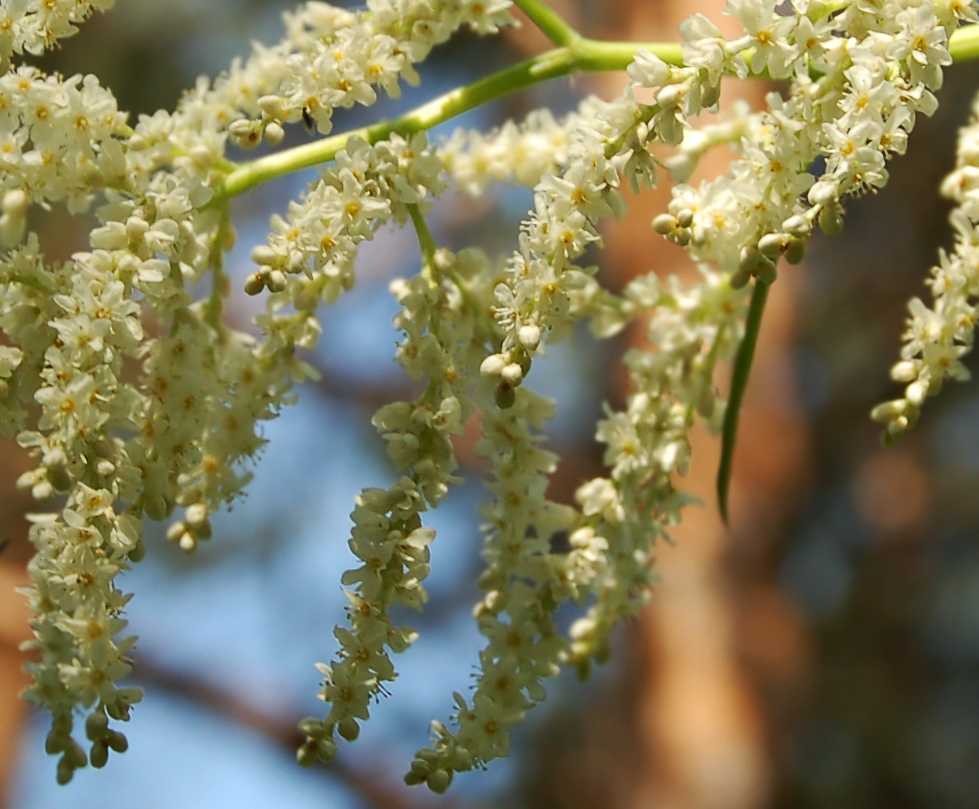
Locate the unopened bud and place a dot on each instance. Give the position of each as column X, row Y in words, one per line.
column 665, row 224
column 493, row 365
column 439, row 780
column 274, row 133
column 276, row 281
column 264, row 255
column 795, row 251
column 916, row 392
column 831, row 220
column 771, row 245
column 255, row 283
column 797, row 226
column 505, row 396
column 348, row 728
column 512, row 374
column 529, row 336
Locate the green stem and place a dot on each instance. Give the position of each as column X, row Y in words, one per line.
column 219, row 280
column 549, row 21
column 584, row 56
column 425, row 241
column 739, row 383
column 963, row 45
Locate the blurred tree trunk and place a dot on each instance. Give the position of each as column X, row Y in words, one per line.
column 13, row 614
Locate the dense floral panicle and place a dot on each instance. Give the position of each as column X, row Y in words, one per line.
column 444, row 326
column 937, row 338
column 524, row 582
column 317, row 242
column 880, row 64
column 329, row 58
column 522, row 153
column 74, row 325
column 33, row 26
column 646, row 443
column 125, row 422
column 57, row 142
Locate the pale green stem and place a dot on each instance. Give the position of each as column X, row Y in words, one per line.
column 425, row 241
column 219, row 279
column 580, row 56
column 549, row 21
column 963, row 45
column 827, row 9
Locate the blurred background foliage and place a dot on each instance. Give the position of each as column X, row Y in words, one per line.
column 822, row 653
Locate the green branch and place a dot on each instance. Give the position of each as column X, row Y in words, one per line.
column 426, row 241
column 580, row 55
column 963, row 45
column 584, row 56
column 549, row 21
column 739, row 383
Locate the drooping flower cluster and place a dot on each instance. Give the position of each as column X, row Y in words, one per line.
column 117, row 449
column 444, row 334
column 937, row 338
column 136, row 420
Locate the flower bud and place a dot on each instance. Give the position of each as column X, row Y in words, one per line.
column 117, row 741
column 916, row 392
column 202, row 156
column 137, row 552
column 439, row 780
column 795, row 251
column 766, row 272
column 665, row 224
column 348, row 728
column 306, row 754
column 99, row 754
column 512, row 374
column 271, row 105
column 15, row 203
column 505, row 396
column 797, row 226
column 255, row 283
column 276, row 281
column 264, row 255
column 529, row 336
column 771, row 245
column 96, row 725
column 274, row 133
column 831, row 220
column 493, row 365
column 326, row 749
column 739, row 278
column 904, row 371
column 887, row 411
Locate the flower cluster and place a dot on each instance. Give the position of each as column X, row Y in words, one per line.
column 331, row 58
column 135, row 397
column 33, row 26
column 444, row 335
column 938, row 338
column 875, row 66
